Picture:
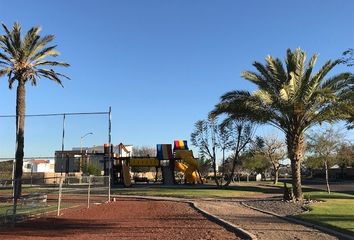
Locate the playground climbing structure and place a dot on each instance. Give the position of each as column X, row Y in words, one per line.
column 180, row 159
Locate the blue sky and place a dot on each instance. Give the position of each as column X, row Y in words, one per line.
column 162, row 65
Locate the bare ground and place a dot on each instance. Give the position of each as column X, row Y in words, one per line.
column 124, row 219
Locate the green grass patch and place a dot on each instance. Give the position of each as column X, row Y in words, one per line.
column 335, row 210
column 196, row 192
column 24, row 211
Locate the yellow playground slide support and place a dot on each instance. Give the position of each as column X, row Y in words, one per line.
column 188, row 166
column 126, row 175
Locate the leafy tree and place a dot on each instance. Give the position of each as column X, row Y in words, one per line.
column 348, row 59
column 25, row 60
column 293, row 99
column 90, row 169
column 274, row 150
column 312, row 162
column 323, row 146
column 204, row 165
column 144, row 151
column 225, row 143
column 345, row 156
column 241, row 133
column 6, row 169
column 204, row 137
column 255, row 161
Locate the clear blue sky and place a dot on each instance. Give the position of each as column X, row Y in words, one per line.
column 161, row 65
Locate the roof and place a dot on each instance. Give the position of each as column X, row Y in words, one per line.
column 40, row 161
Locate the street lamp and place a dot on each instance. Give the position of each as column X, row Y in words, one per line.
column 82, row 137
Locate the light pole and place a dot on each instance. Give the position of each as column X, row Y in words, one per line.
column 82, row 137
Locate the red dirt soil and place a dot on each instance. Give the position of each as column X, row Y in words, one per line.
column 124, row 219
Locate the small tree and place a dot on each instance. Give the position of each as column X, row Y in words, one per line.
column 323, row 146
column 241, row 133
column 204, row 165
column 255, row 161
column 204, row 137
column 312, row 162
column 225, row 143
column 90, row 169
column 275, row 151
column 345, row 157
column 144, row 151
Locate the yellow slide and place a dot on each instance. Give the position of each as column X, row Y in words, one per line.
column 126, row 175
column 188, row 166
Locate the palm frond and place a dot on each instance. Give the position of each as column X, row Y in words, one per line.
column 315, row 81
column 39, row 43
column 338, row 81
column 50, row 63
column 4, row 71
column 50, row 74
column 275, row 67
column 16, row 36
column 4, row 57
column 22, row 58
column 49, row 51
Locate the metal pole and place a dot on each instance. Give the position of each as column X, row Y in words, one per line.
column 81, row 154
column 59, row 195
column 15, row 179
column 13, row 176
column 81, row 158
column 109, row 152
column 62, row 146
column 88, row 192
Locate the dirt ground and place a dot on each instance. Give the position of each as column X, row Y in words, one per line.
column 263, row 226
column 124, row 219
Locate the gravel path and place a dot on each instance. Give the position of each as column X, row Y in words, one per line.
column 282, row 208
column 263, row 226
column 125, row 219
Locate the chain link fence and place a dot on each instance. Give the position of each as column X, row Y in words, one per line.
column 52, row 194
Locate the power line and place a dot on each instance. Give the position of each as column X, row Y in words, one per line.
column 12, row 158
column 56, row 114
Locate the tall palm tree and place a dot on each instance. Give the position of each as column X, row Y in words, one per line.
column 23, row 60
column 293, row 99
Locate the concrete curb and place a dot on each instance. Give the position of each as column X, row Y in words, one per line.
column 301, row 222
column 225, row 224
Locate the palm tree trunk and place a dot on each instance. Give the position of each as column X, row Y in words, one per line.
column 295, row 145
column 20, row 126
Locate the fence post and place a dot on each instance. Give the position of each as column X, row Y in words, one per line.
column 109, row 189
column 15, row 199
column 88, row 191
column 59, row 195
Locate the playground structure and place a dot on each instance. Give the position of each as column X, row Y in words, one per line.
column 180, row 159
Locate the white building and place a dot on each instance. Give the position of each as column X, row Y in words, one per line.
column 100, row 149
column 38, row 165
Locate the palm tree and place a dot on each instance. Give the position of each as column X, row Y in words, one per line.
column 24, row 60
column 292, row 99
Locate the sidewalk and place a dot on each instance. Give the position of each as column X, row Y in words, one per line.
column 263, row 226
